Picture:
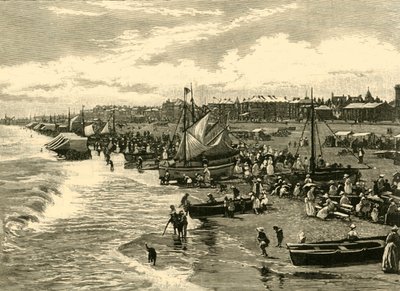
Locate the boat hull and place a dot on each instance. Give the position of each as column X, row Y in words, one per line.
column 325, row 175
column 176, row 172
column 206, row 210
column 333, row 253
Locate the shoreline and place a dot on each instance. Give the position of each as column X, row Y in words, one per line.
column 236, row 259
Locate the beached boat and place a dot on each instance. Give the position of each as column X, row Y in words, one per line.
column 201, row 145
column 338, row 252
column 318, row 174
column 205, row 210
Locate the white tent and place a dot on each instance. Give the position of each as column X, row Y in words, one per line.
column 89, row 131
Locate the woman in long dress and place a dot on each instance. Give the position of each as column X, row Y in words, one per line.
column 390, row 259
column 309, row 200
column 348, row 187
column 270, row 168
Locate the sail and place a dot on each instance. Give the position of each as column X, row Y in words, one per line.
column 72, row 121
column 214, row 131
column 221, row 146
column 190, row 148
column 198, row 129
column 106, row 129
column 89, row 131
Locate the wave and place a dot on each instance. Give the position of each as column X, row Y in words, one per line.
column 162, row 277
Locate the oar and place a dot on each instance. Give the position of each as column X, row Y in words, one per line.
column 165, row 229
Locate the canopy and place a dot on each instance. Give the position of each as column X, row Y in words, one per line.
column 31, row 124
column 49, row 126
column 38, row 126
column 67, row 141
column 361, row 134
column 343, row 133
column 397, row 136
column 270, row 130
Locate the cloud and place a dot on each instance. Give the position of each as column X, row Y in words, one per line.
column 275, row 63
column 149, row 8
column 65, row 11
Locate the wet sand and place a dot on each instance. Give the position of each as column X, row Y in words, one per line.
column 234, row 261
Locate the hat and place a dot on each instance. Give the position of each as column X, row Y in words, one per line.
column 209, row 194
column 298, row 184
column 326, row 195
column 346, row 175
column 342, row 193
column 331, row 182
column 352, row 226
column 369, row 190
column 381, row 175
column 260, row 229
column 308, row 176
column 395, row 228
column 259, row 180
column 279, row 177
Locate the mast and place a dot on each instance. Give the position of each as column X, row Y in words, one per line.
column 83, row 121
column 313, row 153
column 184, row 126
column 192, row 101
column 69, row 119
column 113, row 119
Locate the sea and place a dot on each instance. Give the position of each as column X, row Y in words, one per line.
column 76, row 225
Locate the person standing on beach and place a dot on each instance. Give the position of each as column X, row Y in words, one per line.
column 390, row 259
column 279, row 235
column 263, row 241
column 185, row 203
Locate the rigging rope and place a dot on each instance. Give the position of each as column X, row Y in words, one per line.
column 351, row 151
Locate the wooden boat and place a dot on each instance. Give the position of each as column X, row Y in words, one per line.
column 201, row 144
column 337, row 252
column 205, row 210
column 317, row 174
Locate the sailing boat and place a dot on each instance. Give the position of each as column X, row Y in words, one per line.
column 201, row 146
column 326, row 173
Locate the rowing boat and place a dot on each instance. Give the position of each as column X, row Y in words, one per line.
column 205, row 210
column 338, row 252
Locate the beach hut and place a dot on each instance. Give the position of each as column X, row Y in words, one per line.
column 364, row 139
column 342, row 138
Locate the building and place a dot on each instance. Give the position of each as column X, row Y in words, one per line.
column 267, row 108
column 371, row 112
column 171, row 110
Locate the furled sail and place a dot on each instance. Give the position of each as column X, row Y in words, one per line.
column 106, row 129
column 89, row 131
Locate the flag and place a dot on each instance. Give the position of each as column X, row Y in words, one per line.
column 186, row 90
column 89, row 131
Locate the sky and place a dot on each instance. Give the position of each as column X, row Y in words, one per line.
column 55, row 55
